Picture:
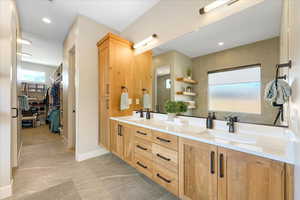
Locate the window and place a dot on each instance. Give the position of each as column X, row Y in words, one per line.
column 168, row 83
column 33, row 76
column 237, row 90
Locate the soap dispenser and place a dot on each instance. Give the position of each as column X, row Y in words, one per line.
column 209, row 121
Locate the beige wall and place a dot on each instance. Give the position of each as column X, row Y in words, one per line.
column 165, row 59
column 264, row 52
column 84, row 35
column 170, row 19
column 179, row 63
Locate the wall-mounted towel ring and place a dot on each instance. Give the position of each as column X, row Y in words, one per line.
column 124, row 89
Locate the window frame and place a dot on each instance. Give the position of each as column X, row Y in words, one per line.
column 30, row 81
column 233, row 69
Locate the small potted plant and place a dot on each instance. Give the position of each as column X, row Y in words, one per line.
column 174, row 108
column 189, row 73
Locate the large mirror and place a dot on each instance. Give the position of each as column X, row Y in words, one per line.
column 224, row 67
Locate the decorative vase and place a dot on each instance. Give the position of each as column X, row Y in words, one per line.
column 171, row 116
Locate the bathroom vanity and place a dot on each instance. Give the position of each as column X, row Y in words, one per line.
column 195, row 163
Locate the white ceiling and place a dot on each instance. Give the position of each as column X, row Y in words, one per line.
column 43, row 51
column 253, row 24
column 117, row 14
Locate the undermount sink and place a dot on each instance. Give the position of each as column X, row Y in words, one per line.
column 232, row 137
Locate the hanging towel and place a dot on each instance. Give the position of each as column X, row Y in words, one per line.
column 124, row 103
column 24, row 104
column 146, row 101
column 278, row 95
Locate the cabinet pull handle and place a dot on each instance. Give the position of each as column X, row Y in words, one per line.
column 140, row 164
column 212, row 162
column 163, row 178
column 107, row 104
column 160, row 156
column 142, row 133
column 140, row 147
column 163, row 140
column 120, row 130
column 221, row 165
column 107, row 89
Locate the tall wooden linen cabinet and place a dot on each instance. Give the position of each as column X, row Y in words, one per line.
column 119, row 67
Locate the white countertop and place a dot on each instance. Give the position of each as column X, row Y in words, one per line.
column 267, row 146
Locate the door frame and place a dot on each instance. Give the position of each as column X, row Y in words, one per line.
column 72, row 96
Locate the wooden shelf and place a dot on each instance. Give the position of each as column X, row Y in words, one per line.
column 186, row 93
column 186, row 80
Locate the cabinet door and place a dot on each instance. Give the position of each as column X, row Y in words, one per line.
column 104, row 92
column 116, row 136
column 197, row 170
column 248, row 177
column 128, row 135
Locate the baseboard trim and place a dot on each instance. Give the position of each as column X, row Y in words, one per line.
column 6, row 191
column 91, row 154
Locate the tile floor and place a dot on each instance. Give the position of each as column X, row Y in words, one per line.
column 48, row 171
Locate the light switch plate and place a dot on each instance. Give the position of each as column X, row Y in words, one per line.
column 130, row 101
column 137, row 101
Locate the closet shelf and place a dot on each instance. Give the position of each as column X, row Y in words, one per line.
column 186, row 80
column 186, row 93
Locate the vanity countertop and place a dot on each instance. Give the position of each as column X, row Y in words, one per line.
column 267, row 146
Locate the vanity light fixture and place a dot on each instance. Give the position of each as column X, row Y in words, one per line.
column 46, row 20
column 216, row 4
column 24, row 41
column 149, row 40
column 24, row 54
column 221, row 43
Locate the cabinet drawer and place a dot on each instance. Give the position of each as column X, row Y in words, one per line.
column 166, row 140
column 143, row 147
column 166, row 178
column 143, row 165
column 165, row 157
column 143, row 133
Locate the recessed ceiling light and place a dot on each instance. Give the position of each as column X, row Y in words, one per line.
column 24, row 41
column 24, row 54
column 221, row 43
column 46, row 20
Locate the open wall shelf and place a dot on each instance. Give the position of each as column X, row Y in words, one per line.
column 186, row 80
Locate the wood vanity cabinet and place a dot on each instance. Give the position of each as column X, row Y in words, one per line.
column 122, row 142
column 245, row 176
column 119, row 66
column 198, row 171
column 208, row 172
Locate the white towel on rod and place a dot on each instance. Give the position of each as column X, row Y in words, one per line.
column 124, row 102
column 147, row 101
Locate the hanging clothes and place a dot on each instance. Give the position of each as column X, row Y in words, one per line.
column 53, row 117
column 55, row 94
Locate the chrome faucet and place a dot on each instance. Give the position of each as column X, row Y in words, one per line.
column 230, row 122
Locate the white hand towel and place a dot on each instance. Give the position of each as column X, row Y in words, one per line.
column 146, row 101
column 124, row 103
